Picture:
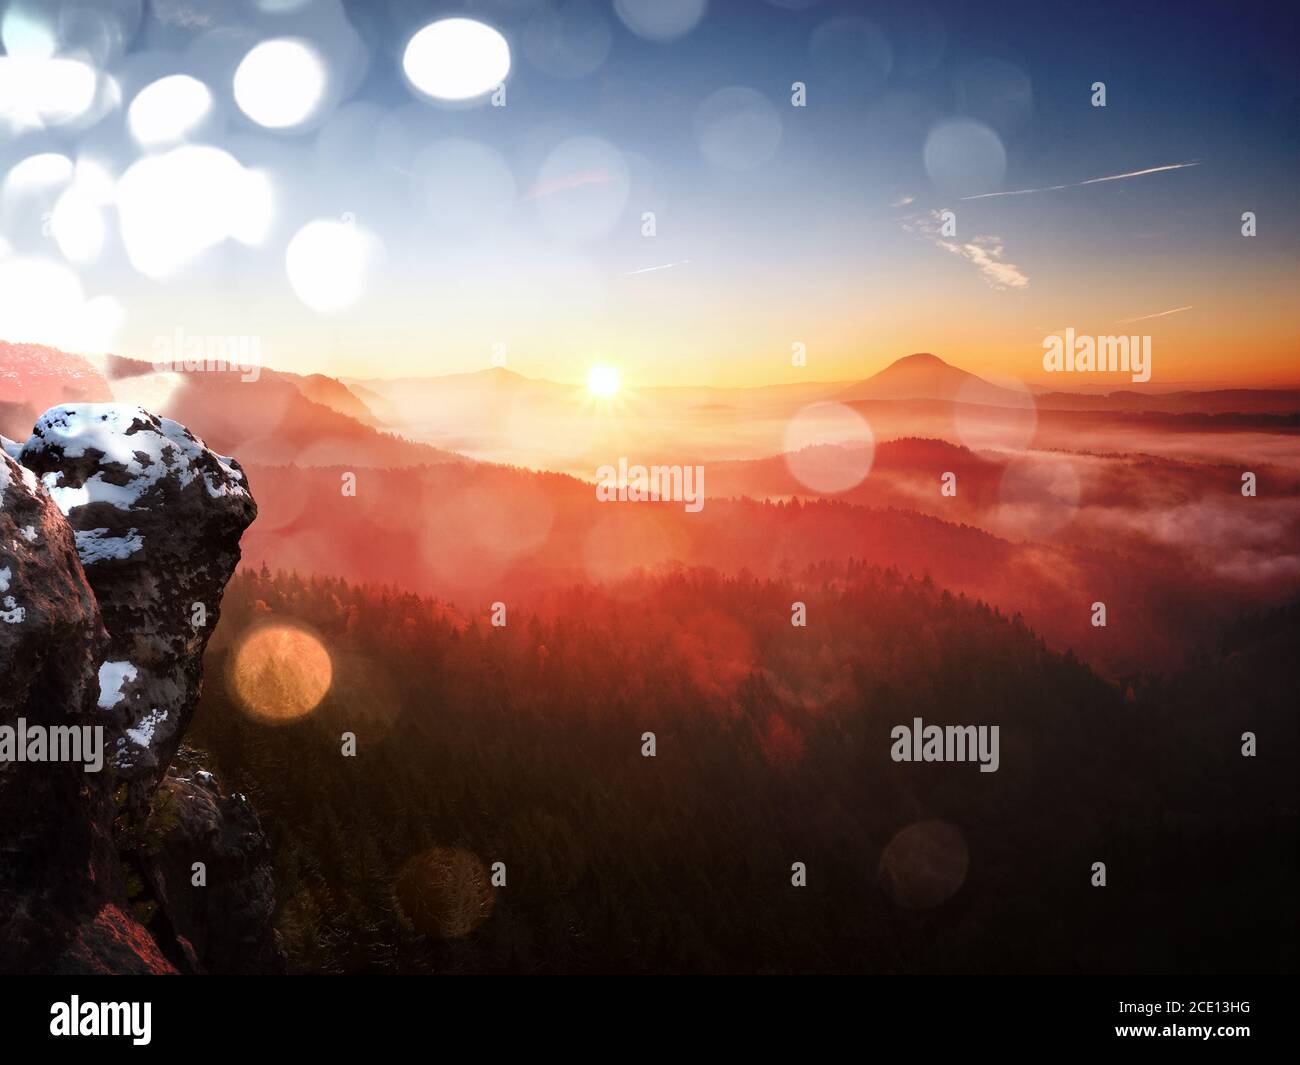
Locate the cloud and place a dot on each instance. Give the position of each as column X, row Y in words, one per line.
column 1158, row 314
column 984, row 252
column 1252, row 544
column 1089, row 181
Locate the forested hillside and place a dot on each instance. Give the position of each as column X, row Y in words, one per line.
column 523, row 745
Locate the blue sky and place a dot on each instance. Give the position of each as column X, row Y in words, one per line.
column 828, row 238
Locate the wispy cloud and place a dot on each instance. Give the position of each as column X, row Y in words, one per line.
column 904, row 201
column 1158, row 314
column 652, row 269
column 1089, row 181
column 986, row 253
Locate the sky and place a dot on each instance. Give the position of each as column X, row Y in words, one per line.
column 319, row 200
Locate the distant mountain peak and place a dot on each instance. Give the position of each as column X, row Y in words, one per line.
column 923, row 376
column 918, row 359
column 920, row 366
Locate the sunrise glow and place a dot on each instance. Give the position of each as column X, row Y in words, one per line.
column 603, row 381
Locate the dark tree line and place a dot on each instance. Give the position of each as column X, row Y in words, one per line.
column 523, row 745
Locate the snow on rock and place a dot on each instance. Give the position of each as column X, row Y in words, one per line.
column 111, row 677
column 27, row 513
column 11, row 473
column 158, row 517
column 12, row 613
column 118, row 454
column 142, row 734
column 95, row 545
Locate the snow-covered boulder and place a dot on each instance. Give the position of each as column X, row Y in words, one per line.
column 118, row 532
column 157, row 517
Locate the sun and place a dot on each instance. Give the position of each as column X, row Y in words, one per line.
column 602, row 381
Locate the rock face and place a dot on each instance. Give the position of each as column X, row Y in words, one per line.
column 118, row 532
column 228, row 923
column 53, row 815
column 157, row 518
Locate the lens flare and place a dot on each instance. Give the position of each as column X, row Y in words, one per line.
column 964, row 158
column 167, row 109
column 997, row 414
column 445, row 892
column 45, row 170
column 569, row 41
column 329, row 264
column 925, row 864
column 35, row 92
column 24, row 34
column 43, row 302
column 175, row 206
column 456, row 59
column 829, row 447
column 582, row 189
column 280, row 673
column 738, row 128
column 78, row 227
column 280, row 83
column 660, row 20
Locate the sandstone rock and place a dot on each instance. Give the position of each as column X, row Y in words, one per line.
column 111, row 944
column 228, row 921
column 57, row 863
column 157, row 517
column 114, row 524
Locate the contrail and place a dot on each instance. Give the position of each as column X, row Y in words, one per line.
column 1090, row 181
column 1158, row 314
column 652, row 269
